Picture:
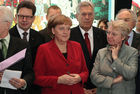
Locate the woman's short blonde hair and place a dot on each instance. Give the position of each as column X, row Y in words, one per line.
column 120, row 26
column 58, row 20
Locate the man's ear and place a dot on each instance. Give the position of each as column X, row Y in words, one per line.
column 16, row 17
column 76, row 16
column 33, row 18
column 47, row 17
column 9, row 25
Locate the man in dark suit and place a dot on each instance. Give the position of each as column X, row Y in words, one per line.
column 12, row 46
column 138, row 23
column 25, row 17
column 134, row 39
column 96, row 37
column 52, row 11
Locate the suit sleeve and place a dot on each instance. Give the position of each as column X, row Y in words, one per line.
column 28, row 73
column 97, row 78
column 84, row 70
column 42, row 79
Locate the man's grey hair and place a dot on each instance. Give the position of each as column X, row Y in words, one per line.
column 7, row 14
column 134, row 16
column 84, row 4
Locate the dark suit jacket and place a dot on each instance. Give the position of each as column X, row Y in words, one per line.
column 136, row 41
column 138, row 78
column 46, row 34
column 136, row 44
column 24, row 65
column 35, row 39
column 100, row 41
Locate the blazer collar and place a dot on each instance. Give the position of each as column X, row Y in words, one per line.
column 55, row 48
column 121, row 52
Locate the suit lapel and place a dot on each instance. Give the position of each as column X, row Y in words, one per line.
column 12, row 47
column 15, row 32
column 136, row 41
column 56, row 50
column 31, row 38
column 109, row 55
column 96, row 38
column 82, row 41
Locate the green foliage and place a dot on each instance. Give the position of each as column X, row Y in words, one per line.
column 100, row 10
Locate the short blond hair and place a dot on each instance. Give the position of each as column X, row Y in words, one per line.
column 120, row 26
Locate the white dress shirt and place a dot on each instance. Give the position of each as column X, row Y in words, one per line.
column 90, row 36
column 21, row 31
column 131, row 34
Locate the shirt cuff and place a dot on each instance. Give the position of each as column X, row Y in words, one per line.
column 24, row 87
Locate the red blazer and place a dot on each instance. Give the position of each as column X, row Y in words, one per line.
column 50, row 64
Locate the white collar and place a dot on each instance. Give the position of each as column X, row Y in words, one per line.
column 90, row 32
column 21, row 30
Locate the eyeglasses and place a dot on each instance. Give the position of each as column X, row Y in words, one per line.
column 27, row 17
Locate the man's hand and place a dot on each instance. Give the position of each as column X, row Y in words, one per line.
column 18, row 83
column 1, row 74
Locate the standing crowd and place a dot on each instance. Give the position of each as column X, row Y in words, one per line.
column 64, row 60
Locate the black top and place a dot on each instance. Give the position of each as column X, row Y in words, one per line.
column 65, row 55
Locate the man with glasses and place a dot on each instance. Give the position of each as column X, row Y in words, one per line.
column 25, row 17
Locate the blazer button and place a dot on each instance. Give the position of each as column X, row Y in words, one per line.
column 67, row 64
column 114, row 68
column 68, row 72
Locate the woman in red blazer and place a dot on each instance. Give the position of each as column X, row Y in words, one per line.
column 60, row 66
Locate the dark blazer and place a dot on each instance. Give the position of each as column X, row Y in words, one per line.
column 100, row 41
column 136, row 44
column 24, row 65
column 47, row 69
column 136, row 41
column 138, row 77
column 46, row 34
column 35, row 40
